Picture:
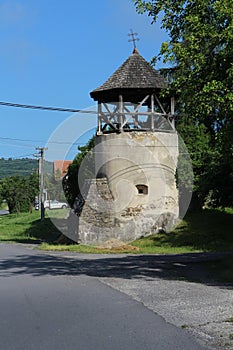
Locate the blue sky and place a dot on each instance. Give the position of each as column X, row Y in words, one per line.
column 53, row 53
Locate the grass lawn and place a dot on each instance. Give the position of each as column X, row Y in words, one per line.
column 210, row 230
column 26, row 228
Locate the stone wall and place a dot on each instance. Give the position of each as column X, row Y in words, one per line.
column 96, row 220
column 134, row 191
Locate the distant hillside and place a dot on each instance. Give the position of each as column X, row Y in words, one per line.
column 21, row 167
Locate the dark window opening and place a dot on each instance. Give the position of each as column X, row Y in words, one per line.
column 142, row 189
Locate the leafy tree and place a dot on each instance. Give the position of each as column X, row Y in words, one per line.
column 19, row 192
column 200, row 54
column 197, row 141
column 72, row 183
column 32, row 185
column 53, row 185
column 11, row 191
column 201, row 51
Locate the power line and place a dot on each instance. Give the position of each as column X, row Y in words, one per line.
column 73, row 143
column 61, row 109
column 45, row 108
column 83, row 143
column 17, row 145
column 41, row 141
column 14, row 139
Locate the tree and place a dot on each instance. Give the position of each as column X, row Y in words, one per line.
column 200, row 54
column 19, row 192
column 197, row 141
column 53, row 185
column 11, row 192
column 71, row 183
column 32, row 183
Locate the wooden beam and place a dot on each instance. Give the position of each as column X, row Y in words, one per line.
column 99, row 118
column 152, row 112
column 141, row 103
column 107, row 121
column 121, row 112
column 172, row 121
column 160, row 104
column 172, row 105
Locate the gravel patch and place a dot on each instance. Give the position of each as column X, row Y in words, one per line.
column 176, row 287
column 199, row 308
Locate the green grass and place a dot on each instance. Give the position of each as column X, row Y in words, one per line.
column 26, row 228
column 57, row 213
column 162, row 244
column 210, row 230
column 85, row 249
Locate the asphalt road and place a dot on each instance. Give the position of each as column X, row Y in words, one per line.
column 51, row 302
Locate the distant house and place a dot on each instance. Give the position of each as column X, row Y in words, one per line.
column 60, row 168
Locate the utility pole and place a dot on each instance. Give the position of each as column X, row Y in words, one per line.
column 41, row 175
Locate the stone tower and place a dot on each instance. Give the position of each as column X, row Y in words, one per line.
column 133, row 192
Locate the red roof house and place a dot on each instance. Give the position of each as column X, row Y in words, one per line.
column 60, row 168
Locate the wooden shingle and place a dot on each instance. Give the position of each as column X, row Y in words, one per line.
column 134, row 73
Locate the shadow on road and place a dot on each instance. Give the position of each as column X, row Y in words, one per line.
column 190, row 267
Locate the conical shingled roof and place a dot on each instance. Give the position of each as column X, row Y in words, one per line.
column 134, row 74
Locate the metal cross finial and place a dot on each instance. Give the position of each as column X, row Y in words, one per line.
column 133, row 38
